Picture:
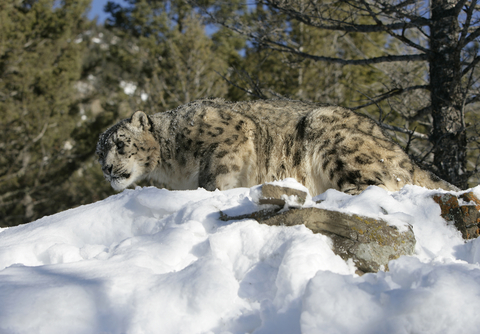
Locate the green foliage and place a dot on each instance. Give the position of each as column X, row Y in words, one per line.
column 41, row 56
column 171, row 60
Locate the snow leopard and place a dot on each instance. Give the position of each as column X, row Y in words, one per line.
column 217, row 144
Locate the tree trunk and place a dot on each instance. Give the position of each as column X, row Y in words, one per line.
column 448, row 135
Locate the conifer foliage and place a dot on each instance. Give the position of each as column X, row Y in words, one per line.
column 40, row 61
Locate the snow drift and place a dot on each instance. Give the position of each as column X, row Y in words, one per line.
column 155, row 261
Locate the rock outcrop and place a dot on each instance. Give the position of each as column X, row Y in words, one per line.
column 463, row 211
column 272, row 194
column 370, row 243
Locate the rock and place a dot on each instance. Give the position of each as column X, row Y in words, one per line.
column 369, row 242
column 272, row 194
column 466, row 217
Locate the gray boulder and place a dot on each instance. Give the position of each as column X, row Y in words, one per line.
column 370, row 243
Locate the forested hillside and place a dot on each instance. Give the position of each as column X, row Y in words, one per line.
column 64, row 79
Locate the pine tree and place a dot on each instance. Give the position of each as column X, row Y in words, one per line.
column 40, row 61
column 172, row 60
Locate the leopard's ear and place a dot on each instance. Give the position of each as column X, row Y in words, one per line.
column 140, row 121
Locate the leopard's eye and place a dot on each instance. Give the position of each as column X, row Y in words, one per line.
column 120, row 145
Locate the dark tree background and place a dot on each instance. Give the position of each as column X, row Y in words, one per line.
column 411, row 65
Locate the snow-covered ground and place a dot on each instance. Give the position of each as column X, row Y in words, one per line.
column 155, row 261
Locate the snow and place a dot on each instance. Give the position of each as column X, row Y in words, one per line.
column 128, row 87
column 155, row 261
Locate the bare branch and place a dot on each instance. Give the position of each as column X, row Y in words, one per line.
column 40, row 135
column 403, row 130
column 421, row 113
column 468, row 20
column 393, row 92
column 396, row 128
column 267, row 42
column 345, row 26
column 461, row 3
column 397, row 9
column 470, row 38
column 374, row 60
column 410, row 140
column 257, row 92
column 471, row 65
column 393, row 34
column 471, row 100
column 387, row 9
column 380, row 117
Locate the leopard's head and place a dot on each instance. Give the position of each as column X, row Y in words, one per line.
column 128, row 151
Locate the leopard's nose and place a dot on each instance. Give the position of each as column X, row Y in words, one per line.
column 108, row 169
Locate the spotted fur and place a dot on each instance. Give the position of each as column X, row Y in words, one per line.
column 213, row 144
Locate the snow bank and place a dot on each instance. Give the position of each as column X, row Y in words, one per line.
column 155, row 261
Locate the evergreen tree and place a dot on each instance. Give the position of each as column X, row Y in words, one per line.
column 172, row 60
column 40, row 62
